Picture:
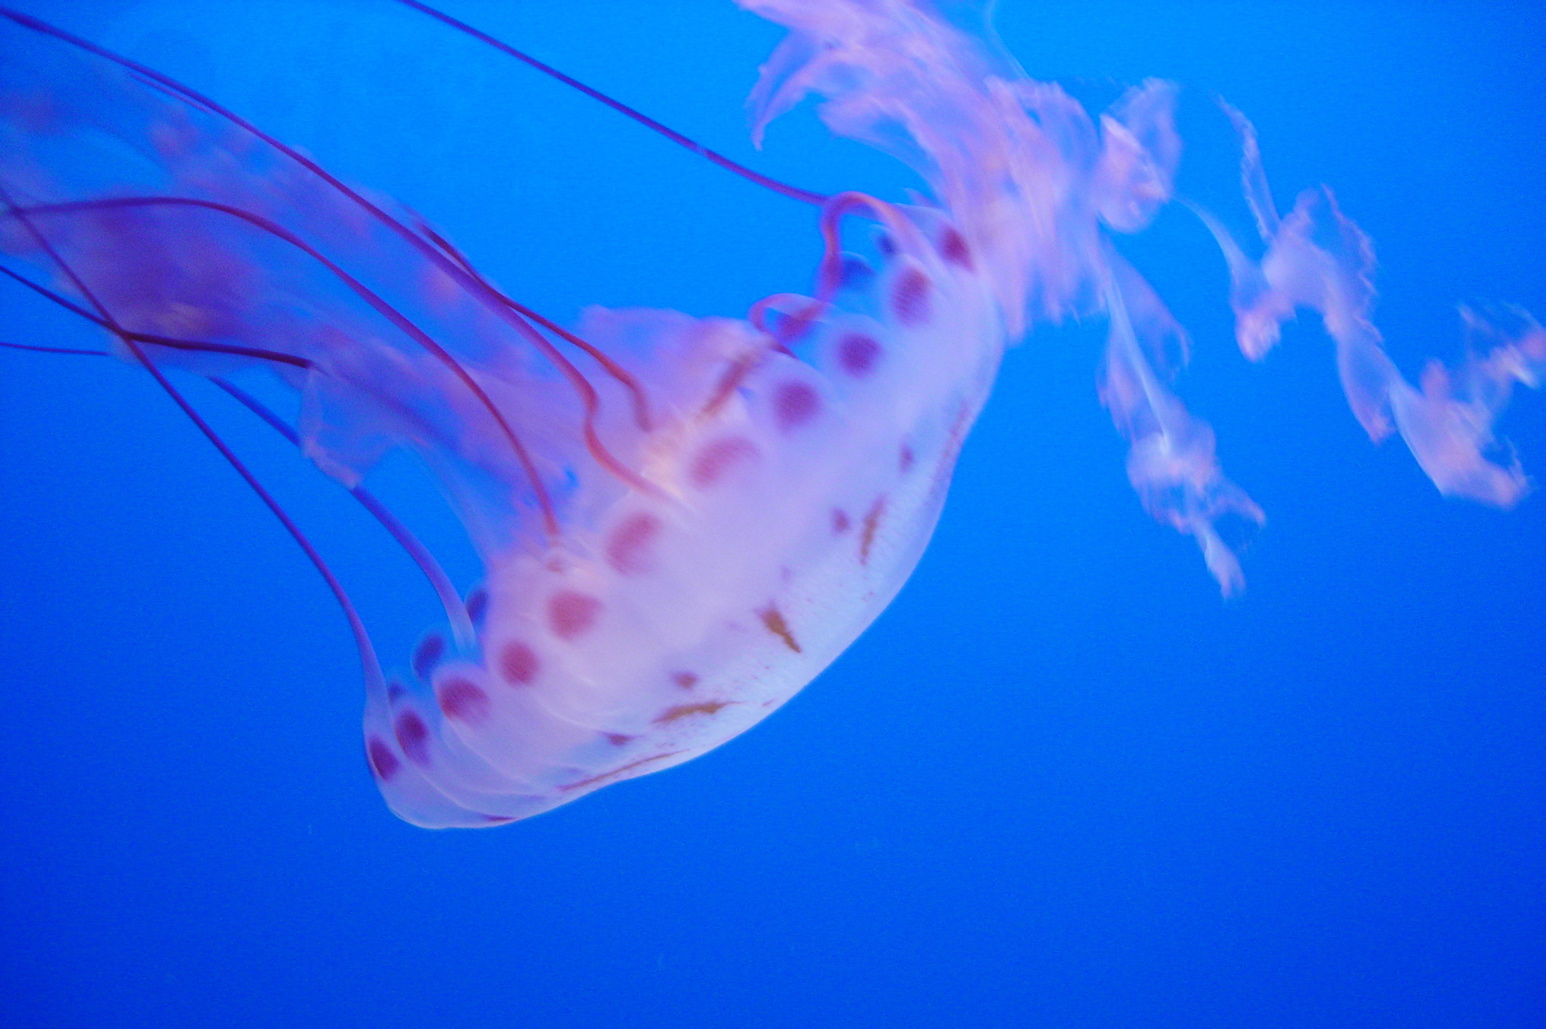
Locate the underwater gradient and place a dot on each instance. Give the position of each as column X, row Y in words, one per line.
column 1058, row 783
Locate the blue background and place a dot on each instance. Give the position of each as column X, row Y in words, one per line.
column 1059, row 783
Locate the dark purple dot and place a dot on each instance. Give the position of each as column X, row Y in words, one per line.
column 839, row 521
column 518, row 663
column 427, row 655
column 855, row 272
column 857, row 354
column 910, row 297
column 477, row 605
column 571, row 613
column 382, row 761
column 413, row 737
column 628, row 547
column 686, row 680
column 463, row 701
column 718, row 458
column 953, row 246
column 794, row 404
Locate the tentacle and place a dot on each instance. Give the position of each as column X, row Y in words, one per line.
column 370, row 666
column 450, row 599
column 781, row 188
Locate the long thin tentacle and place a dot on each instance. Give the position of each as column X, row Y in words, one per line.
column 450, row 599
column 474, row 285
column 445, row 590
column 369, row 664
column 781, row 188
column 365, row 293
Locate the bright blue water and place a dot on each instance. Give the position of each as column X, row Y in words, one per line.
column 1058, row 784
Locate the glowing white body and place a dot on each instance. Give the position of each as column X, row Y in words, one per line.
column 785, row 521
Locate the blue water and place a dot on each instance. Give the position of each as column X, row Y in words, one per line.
column 1059, row 783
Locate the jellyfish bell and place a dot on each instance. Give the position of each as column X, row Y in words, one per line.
column 674, row 540
column 681, row 519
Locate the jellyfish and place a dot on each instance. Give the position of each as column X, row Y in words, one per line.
column 684, row 518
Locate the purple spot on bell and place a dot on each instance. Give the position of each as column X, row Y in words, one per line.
column 428, row 654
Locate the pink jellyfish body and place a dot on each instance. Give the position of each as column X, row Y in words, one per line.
column 682, row 519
